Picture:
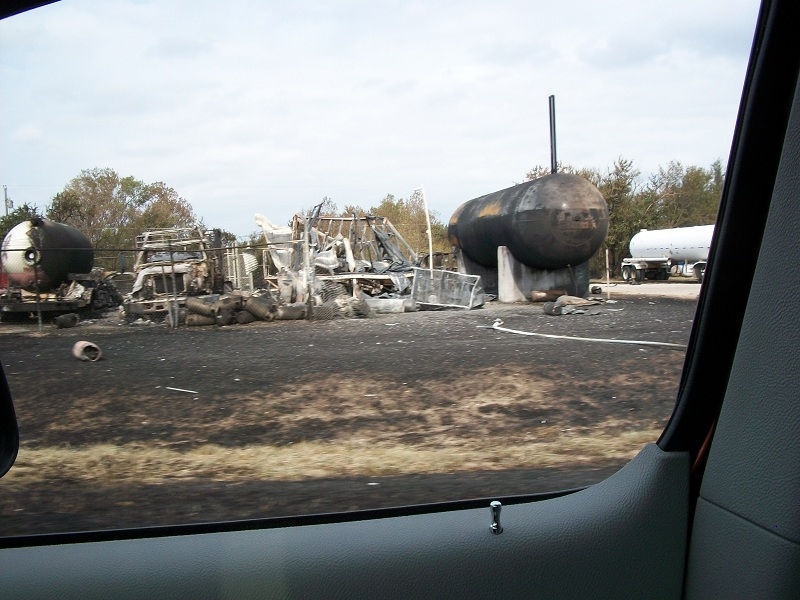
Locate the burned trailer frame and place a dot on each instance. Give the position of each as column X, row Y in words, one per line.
column 170, row 266
column 361, row 254
column 84, row 292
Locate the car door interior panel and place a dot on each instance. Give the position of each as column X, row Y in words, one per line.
column 747, row 524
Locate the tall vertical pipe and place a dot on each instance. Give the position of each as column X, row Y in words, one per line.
column 553, row 158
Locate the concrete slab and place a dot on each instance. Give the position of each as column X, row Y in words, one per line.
column 658, row 289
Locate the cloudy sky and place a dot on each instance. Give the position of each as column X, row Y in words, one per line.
column 268, row 107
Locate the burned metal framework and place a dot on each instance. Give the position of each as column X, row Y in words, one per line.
column 439, row 288
column 239, row 267
column 363, row 254
column 325, row 260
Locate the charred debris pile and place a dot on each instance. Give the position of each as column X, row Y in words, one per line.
column 364, row 258
column 315, row 268
column 262, row 305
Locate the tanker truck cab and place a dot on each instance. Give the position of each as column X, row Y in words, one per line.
column 171, row 265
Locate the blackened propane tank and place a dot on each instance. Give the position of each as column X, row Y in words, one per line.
column 47, row 250
column 555, row 221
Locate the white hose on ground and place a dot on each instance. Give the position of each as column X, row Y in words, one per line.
column 497, row 326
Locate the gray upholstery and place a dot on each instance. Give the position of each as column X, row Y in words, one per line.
column 746, row 537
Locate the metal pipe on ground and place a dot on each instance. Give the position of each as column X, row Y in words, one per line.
column 547, row 295
column 66, row 321
column 225, row 316
column 230, row 302
column 87, row 351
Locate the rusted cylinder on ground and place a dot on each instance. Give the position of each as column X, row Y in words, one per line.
column 196, row 320
column 555, row 221
column 261, row 307
column 224, row 317
column 243, row 317
column 200, row 305
column 289, row 312
column 546, row 296
column 229, row 303
column 66, row 321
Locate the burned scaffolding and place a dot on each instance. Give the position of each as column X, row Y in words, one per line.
column 316, row 259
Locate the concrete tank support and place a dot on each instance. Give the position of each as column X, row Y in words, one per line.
column 515, row 281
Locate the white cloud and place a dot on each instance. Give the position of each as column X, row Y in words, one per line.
column 269, row 106
column 26, row 134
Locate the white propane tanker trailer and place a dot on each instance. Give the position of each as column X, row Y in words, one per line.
column 658, row 253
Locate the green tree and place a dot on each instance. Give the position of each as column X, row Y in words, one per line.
column 408, row 217
column 66, row 207
column 628, row 212
column 161, row 207
column 112, row 210
column 327, row 208
column 592, row 175
column 23, row 212
column 686, row 196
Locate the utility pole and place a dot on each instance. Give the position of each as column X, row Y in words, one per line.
column 5, row 196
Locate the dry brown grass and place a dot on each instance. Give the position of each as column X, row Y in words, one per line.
column 358, row 426
column 108, row 464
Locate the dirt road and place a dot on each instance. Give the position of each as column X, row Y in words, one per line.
column 296, row 417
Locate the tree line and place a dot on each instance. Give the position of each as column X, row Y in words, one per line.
column 675, row 196
column 407, row 215
column 111, row 210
